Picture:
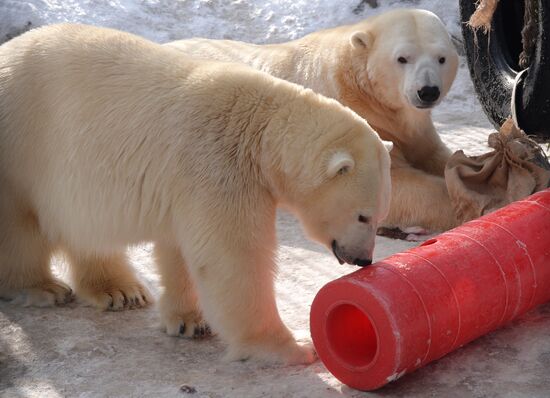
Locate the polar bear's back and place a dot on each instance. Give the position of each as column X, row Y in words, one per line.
column 88, row 69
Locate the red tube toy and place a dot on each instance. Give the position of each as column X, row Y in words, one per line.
column 376, row 324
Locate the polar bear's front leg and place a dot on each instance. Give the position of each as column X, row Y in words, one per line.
column 424, row 150
column 107, row 282
column 237, row 295
column 179, row 309
column 435, row 161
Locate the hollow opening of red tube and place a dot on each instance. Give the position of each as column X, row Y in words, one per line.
column 351, row 335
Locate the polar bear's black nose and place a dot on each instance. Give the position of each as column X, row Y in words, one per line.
column 363, row 262
column 428, row 93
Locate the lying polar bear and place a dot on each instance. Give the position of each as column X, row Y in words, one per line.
column 108, row 140
column 391, row 69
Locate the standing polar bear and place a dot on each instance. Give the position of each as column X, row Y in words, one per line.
column 391, row 69
column 108, row 140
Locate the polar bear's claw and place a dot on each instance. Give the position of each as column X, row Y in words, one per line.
column 202, row 330
column 189, row 329
column 118, row 299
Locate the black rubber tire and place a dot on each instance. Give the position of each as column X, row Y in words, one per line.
column 492, row 61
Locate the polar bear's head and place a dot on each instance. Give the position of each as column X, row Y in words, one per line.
column 404, row 58
column 345, row 210
column 337, row 181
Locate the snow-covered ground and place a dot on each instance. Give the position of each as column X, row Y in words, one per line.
column 78, row 351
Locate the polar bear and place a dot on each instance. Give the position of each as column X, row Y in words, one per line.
column 391, row 69
column 108, row 140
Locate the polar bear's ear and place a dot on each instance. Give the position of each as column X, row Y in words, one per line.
column 340, row 163
column 361, row 40
column 388, row 145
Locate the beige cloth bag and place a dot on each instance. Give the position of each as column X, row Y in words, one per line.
column 516, row 168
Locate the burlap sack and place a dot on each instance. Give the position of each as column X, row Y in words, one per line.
column 516, row 168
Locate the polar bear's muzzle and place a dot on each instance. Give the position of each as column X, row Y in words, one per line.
column 428, row 96
column 344, row 257
column 424, row 85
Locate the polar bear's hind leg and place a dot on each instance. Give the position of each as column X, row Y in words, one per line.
column 25, row 274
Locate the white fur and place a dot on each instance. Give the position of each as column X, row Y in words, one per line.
column 108, row 140
column 358, row 65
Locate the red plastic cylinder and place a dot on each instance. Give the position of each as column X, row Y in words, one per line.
column 374, row 325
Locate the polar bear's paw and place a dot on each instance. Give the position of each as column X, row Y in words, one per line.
column 190, row 326
column 45, row 294
column 417, row 234
column 113, row 297
column 297, row 354
column 291, row 353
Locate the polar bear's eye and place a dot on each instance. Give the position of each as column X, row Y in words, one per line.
column 402, row 60
column 442, row 60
